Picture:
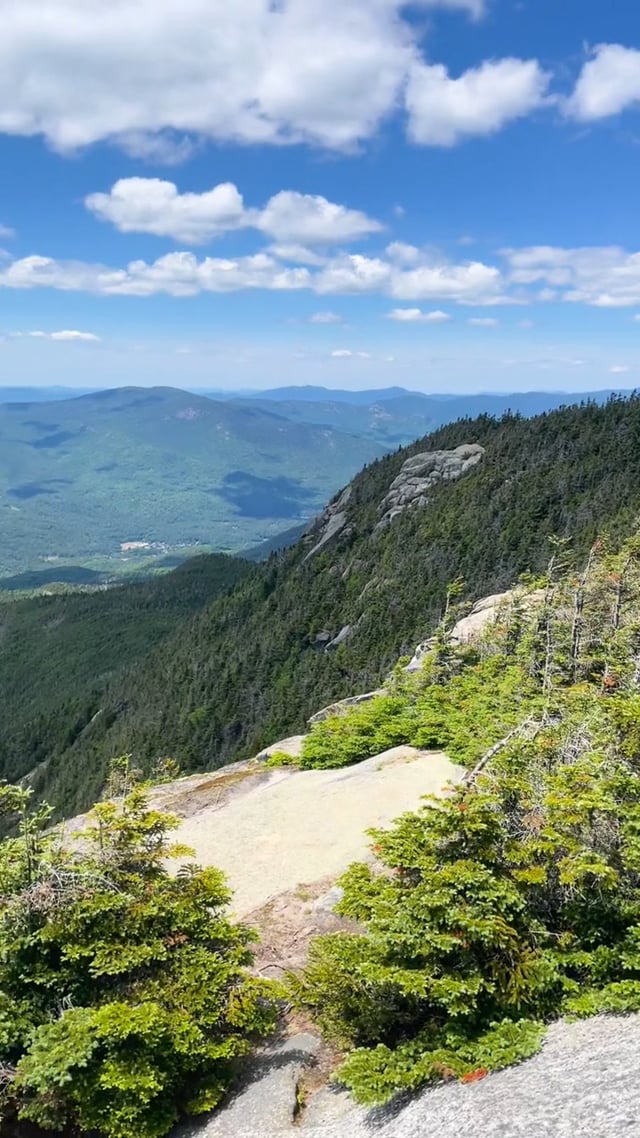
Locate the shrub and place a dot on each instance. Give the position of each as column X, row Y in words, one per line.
column 124, row 991
column 515, row 899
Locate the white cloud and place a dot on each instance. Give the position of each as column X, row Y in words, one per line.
column 619, row 369
column 471, row 283
column 70, row 335
column 297, row 254
column 636, row 318
column 601, row 276
column 181, row 273
column 402, row 253
column 475, row 8
column 7, row 232
column 444, row 111
column 151, row 205
column 417, row 316
column 310, row 218
column 525, row 324
column 65, row 336
column 326, row 318
column 608, row 83
column 483, row 322
column 346, row 353
column 325, row 72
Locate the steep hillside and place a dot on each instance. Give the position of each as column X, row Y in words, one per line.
column 307, row 627
column 58, row 652
column 136, row 472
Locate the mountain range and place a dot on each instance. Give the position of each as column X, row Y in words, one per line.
column 129, row 480
column 477, row 500
column 132, row 475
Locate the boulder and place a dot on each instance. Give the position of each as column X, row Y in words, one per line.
column 344, row 705
column 291, row 746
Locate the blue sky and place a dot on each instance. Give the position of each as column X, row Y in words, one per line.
column 441, row 194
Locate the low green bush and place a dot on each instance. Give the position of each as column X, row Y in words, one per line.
column 464, row 716
column 515, row 899
column 125, row 996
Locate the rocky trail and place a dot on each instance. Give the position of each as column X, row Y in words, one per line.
column 283, row 837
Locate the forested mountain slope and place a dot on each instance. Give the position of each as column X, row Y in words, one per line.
column 253, row 665
column 58, row 652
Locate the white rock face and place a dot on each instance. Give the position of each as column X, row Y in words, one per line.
column 483, row 613
column 286, row 827
column 420, row 474
column 330, row 523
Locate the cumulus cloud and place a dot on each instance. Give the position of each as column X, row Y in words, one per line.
column 444, row 111
column 601, row 276
column 151, row 205
column 608, row 83
column 311, row 219
column 417, row 316
column 183, row 274
column 325, row 72
column 402, row 253
column 483, row 322
column 475, row 8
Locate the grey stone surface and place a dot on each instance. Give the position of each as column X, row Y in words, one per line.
column 344, row 705
column 343, row 635
column 330, row 522
column 420, row 474
column 266, row 1102
column 585, row 1083
column 291, row 746
column 483, row 613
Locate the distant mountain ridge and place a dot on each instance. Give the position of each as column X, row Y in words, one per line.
column 329, row 617
column 397, row 417
column 127, row 480
column 143, row 472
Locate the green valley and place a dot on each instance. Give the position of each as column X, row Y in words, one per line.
column 122, row 479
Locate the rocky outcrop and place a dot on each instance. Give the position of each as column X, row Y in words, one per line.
column 420, row 474
column 483, row 613
column 584, row 1083
column 291, row 747
column 343, row 635
column 343, row 706
column 330, row 523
